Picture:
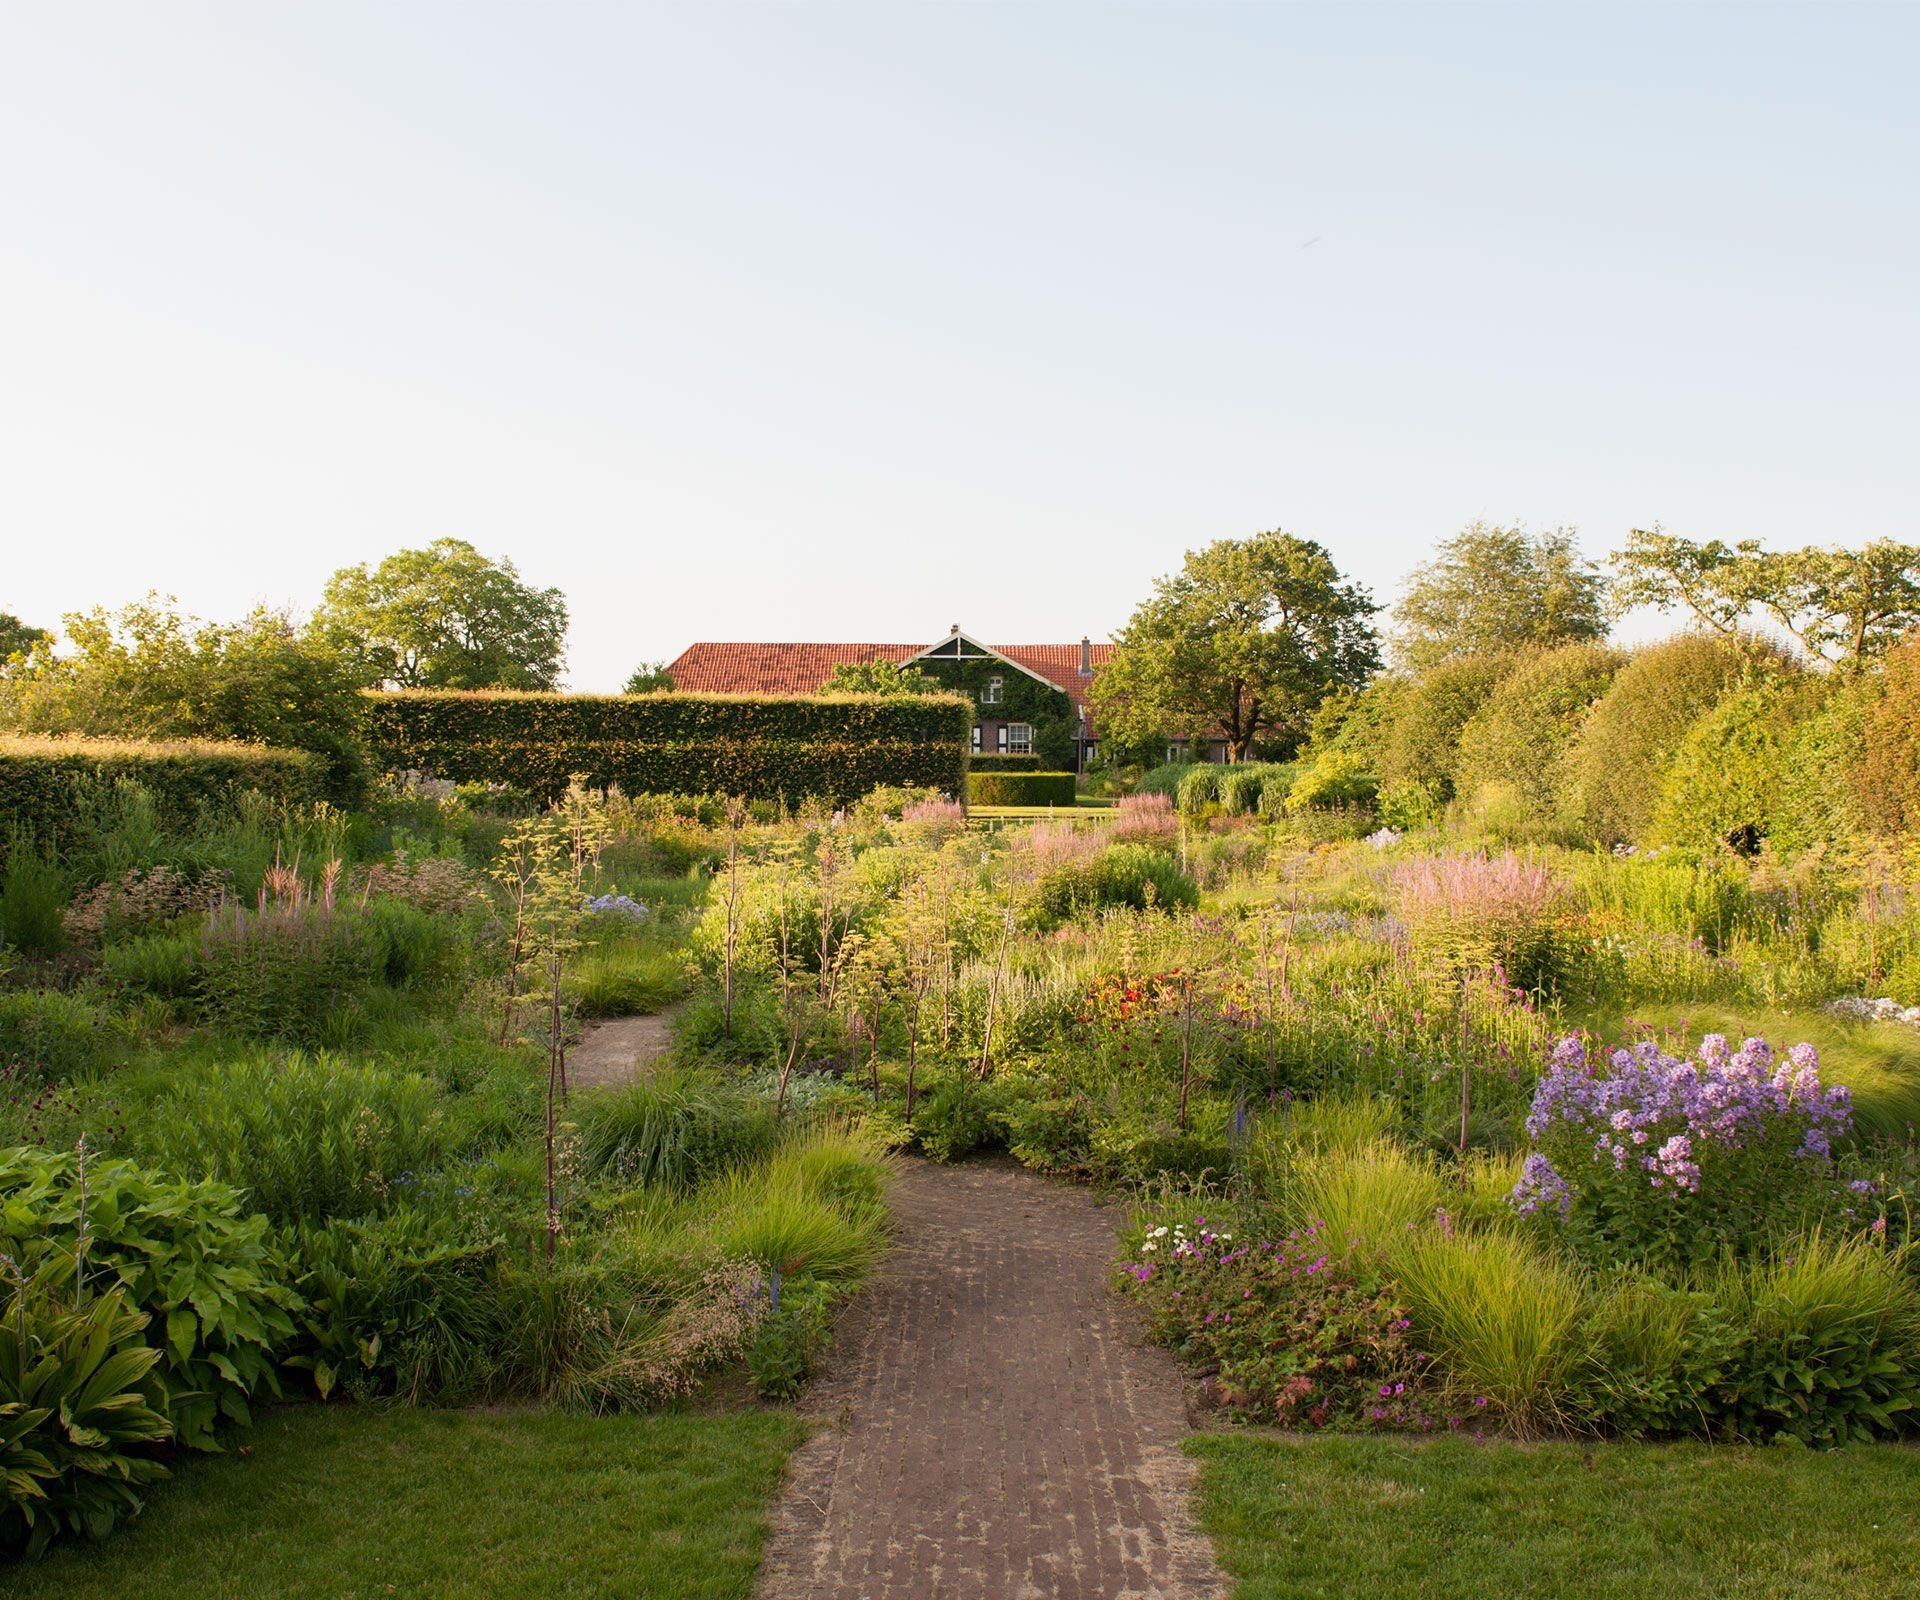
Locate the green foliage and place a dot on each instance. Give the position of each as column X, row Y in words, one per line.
column 788, row 1344
column 304, row 1136
column 287, row 971
column 1003, row 763
column 1656, row 1352
column 650, row 677
column 1420, row 742
column 1503, row 1320
column 756, row 747
column 52, row 1036
column 626, row 979
column 205, row 1276
column 1164, row 780
column 1336, row 781
column 878, row 677
column 1520, row 738
column 1133, row 875
column 34, row 890
column 1246, row 640
column 1022, row 789
column 400, row 1305
column 1844, row 606
column 80, row 1415
column 1624, row 751
column 1885, row 770
column 17, row 637
column 1363, row 1198
column 147, row 672
column 953, row 1117
column 444, row 617
column 1018, row 697
column 49, row 786
column 1493, row 590
column 671, row 1129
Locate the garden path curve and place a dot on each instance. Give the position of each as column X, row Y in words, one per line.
column 618, row 1051
column 990, row 1426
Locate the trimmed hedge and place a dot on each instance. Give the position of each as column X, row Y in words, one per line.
column 1000, row 763
column 759, row 747
column 45, row 782
column 1022, row 789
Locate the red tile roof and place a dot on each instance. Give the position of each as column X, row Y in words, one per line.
column 714, row 668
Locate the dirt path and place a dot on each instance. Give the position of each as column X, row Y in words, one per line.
column 614, row 1052
column 990, row 1427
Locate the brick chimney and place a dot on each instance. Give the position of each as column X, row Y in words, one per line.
column 1086, row 656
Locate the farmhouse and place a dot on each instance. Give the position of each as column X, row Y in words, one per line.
column 1031, row 699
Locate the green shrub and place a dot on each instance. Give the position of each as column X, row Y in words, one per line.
column 1885, row 767
column 1336, row 781
column 1831, row 1350
column 412, row 948
column 1164, row 780
column 81, row 1415
column 674, row 1129
column 1623, row 752
column 304, row 1136
column 1520, row 738
column 760, row 747
column 1135, row 875
column 210, row 1287
column 1656, row 1352
column 626, row 980
column 34, row 890
column 51, row 1036
column 399, row 1305
column 47, row 785
column 160, row 964
column 1502, row 1320
column 953, row 1117
column 782, row 1355
column 295, row 971
column 1199, row 789
column 1421, row 744
column 1022, row 789
column 1003, row 763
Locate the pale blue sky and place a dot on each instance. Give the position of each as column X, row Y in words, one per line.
column 854, row 321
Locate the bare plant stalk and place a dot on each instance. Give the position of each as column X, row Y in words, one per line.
column 993, row 987
column 731, row 945
column 1186, row 1053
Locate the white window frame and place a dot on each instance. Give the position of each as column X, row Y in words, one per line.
column 990, row 695
column 1020, row 738
column 976, row 738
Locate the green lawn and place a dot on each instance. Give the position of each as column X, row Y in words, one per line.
column 1436, row 1520
column 356, row 1504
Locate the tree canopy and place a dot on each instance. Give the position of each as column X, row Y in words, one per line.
column 1843, row 606
column 149, row 671
column 1244, row 641
column 650, row 677
column 17, row 637
column 879, row 677
column 1490, row 590
column 444, row 617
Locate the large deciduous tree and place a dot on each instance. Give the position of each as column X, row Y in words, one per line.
column 17, row 637
column 1845, row 607
column 1243, row 642
column 445, row 618
column 1489, row 591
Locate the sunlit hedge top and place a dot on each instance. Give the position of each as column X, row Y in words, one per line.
column 46, row 782
column 758, row 746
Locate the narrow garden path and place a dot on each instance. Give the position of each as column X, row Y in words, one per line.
column 990, row 1426
column 615, row 1052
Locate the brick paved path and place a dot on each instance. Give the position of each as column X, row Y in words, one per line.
column 990, row 1427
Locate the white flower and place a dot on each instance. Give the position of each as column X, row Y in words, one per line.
column 1148, row 1247
column 1159, row 1232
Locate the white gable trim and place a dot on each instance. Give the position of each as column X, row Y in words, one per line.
column 984, row 653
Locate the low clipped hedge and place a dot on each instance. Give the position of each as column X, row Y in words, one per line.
column 1022, row 789
column 44, row 782
column 759, row 747
column 1006, row 763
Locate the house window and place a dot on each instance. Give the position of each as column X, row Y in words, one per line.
column 976, row 738
column 990, row 696
column 1003, row 739
column 1019, row 738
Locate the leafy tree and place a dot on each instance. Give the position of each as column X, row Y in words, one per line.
column 879, row 677
column 1495, row 590
column 1843, row 606
column 17, row 637
column 1519, row 739
column 1422, row 743
column 444, row 618
column 650, row 677
column 148, row 671
column 1246, row 639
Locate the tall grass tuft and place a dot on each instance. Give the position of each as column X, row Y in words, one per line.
column 1366, row 1198
column 674, row 1129
column 1502, row 1319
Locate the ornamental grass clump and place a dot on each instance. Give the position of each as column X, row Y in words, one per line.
column 1144, row 819
column 1364, row 1199
column 1646, row 1158
column 1479, row 913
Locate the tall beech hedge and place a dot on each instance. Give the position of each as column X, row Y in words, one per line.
column 757, row 746
column 45, row 782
